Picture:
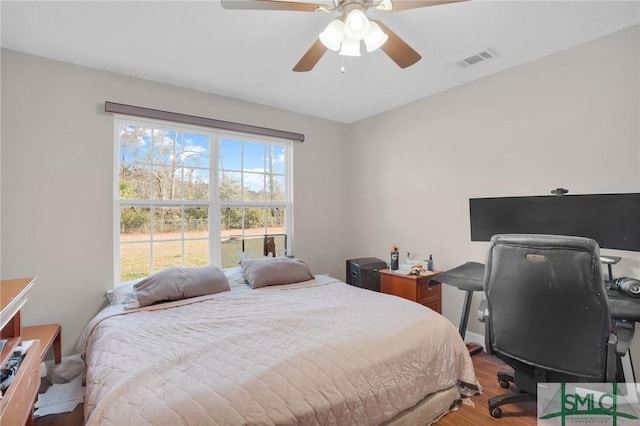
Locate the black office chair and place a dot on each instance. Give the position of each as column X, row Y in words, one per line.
column 547, row 314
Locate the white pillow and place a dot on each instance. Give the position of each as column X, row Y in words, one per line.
column 122, row 294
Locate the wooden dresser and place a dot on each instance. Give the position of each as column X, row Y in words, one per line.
column 16, row 405
column 413, row 287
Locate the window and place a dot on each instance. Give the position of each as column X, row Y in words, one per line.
column 194, row 196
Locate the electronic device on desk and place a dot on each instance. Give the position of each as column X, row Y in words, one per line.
column 624, row 298
column 610, row 219
column 628, row 286
column 623, row 295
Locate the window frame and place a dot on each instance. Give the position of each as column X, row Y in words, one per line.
column 213, row 202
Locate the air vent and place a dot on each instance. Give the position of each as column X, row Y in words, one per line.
column 478, row 58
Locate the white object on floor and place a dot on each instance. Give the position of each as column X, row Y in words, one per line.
column 61, row 398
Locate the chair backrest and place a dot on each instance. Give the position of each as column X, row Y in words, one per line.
column 547, row 303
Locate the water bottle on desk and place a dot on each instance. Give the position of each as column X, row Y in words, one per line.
column 430, row 263
column 395, row 258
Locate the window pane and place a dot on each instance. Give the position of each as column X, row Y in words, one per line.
column 276, row 188
column 166, row 183
column 134, row 181
column 280, row 244
column 135, row 143
column 253, row 156
column 278, row 159
column 134, row 260
column 167, row 223
column 231, row 249
column 166, row 254
column 276, row 219
column 254, row 245
column 230, row 154
column 254, row 221
column 166, row 147
column 134, row 223
column 196, row 252
column 254, row 186
column 230, row 221
column 196, row 222
column 195, row 183
column 195, row 151
column 229, row 186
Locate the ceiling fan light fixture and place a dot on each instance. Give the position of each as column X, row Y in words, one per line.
column 332, row 36
column 350, row 47
column 375, row 38
column 385, row 5
column 357, row 25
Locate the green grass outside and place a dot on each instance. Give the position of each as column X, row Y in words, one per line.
column 134, row 258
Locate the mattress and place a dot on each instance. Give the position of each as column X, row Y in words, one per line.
column 317, row 352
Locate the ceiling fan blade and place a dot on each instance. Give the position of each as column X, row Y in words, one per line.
column 397, row 49
column 272, row 5
column 413, row 4
column 311, row 58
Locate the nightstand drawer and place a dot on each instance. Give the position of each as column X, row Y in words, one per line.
column 434, row 305
column 412, row 287
column 426, row 292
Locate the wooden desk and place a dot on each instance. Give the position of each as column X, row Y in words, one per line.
column 48, row 334
column 16, row 405
column 13, row 296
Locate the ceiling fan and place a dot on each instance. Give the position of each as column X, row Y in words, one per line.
column 345, row 33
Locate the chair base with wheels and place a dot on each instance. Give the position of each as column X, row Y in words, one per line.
column 505, row 379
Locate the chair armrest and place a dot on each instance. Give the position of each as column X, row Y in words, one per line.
column 483, row 311
column 624, row 332
column 623, row 306
column 611, row 359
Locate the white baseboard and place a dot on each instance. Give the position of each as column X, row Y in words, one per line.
column 478, row 339
column 44, row 366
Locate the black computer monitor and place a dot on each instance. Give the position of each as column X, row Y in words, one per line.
column 613, row 220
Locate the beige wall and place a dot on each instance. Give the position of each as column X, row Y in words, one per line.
column 57, row 174
column 403, row 177
column 568, row 120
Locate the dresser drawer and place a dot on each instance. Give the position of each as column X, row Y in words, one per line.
column 434, row 305
column 427, row 293
column 16, row 406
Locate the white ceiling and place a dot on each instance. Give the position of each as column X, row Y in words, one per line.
column 249, row 54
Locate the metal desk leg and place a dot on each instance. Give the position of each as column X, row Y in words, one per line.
column 472, row 347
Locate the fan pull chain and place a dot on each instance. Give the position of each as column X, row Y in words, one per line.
column 342, row 67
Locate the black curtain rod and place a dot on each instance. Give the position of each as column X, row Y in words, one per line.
column 199, row 121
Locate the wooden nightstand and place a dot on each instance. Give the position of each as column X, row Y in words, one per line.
column 413, row 287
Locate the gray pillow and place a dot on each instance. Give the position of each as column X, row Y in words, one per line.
column 275, row 271
column 180, row 283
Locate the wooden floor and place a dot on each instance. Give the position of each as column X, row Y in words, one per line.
column 486, row 369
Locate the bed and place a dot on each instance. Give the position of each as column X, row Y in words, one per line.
column 316, row 352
